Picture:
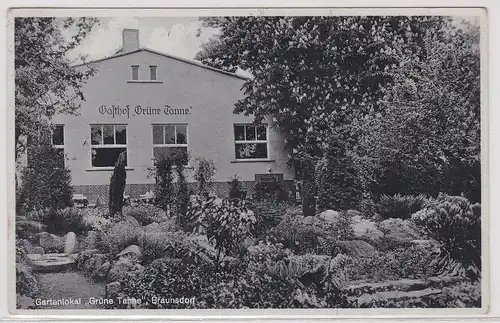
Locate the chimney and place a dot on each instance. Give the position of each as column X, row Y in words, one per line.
column 130, row 40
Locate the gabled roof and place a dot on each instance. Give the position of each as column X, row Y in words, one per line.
column 184, row 60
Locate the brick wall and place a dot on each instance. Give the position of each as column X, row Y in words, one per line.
column 135, row 190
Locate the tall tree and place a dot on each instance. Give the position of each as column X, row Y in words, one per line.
column 46, row 80
column 316, row 76
column 427, row 139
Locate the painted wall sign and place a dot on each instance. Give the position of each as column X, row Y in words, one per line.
column 129, row 111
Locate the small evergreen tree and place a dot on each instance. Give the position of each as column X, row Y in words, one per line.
column 164, row 190
column 204, row 173
column 117, row 185
column 236, row 189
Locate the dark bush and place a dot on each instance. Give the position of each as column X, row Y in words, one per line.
column 211, row 287
column 338, row 185
column 400, row 206
column 309, row 235
column 455, row 223
column 225, row 222
column 45, row 181
column 60, row 222
column 273, row 191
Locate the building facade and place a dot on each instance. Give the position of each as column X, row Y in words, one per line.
column 146, row 104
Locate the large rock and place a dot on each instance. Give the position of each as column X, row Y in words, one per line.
column 132, row 251
column 399, row 232
column 51, row 242
column 330, row 216
column 357, row 248
column 365, row 229
column 55, row 262
column 70, row 243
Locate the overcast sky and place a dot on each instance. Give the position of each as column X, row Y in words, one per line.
column 172, row 35
column 178, row 36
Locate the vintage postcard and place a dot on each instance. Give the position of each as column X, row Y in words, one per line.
column 313, row 162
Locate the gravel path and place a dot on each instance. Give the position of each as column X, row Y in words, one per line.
column 71, row 288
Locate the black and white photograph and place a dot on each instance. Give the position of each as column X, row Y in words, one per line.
column 249, row 161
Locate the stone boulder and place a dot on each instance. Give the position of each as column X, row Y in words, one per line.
column 27, row 246
column 330, row 216
column 365, row 229
column 51, row 242
column 132, row 251
column 356, row 248
column 398, row 232
column 52, row 262
column 70, row 243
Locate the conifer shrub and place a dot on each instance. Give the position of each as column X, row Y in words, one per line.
column 117, row 185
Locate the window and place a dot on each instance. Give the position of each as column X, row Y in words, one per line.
column 170, row 139
column 107, row 143
column 250, row 141
column 135, row 72
column 58, row 142
column 152, row 73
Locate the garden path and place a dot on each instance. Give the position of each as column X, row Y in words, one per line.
column 70, row 285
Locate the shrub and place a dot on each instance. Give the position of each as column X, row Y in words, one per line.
column 178, row 245
column 26, row 281
column 119, row 236
column 214, row 288
column 146, row 214
column 411, row 263
column 302, row 235
column 226, row 223
column 117, row 185
column 182, row 197
column 268, row 214
column 204, row 172
column 62, row 221
column 452, row 221
column 45, row 182
column 236, row 190
column 272, row 191
column 311, row 234
column 400, row 206
column 95, row 220
column 337, row 183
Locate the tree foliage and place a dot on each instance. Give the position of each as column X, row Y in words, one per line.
column 46, row 80
column 399, row 95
